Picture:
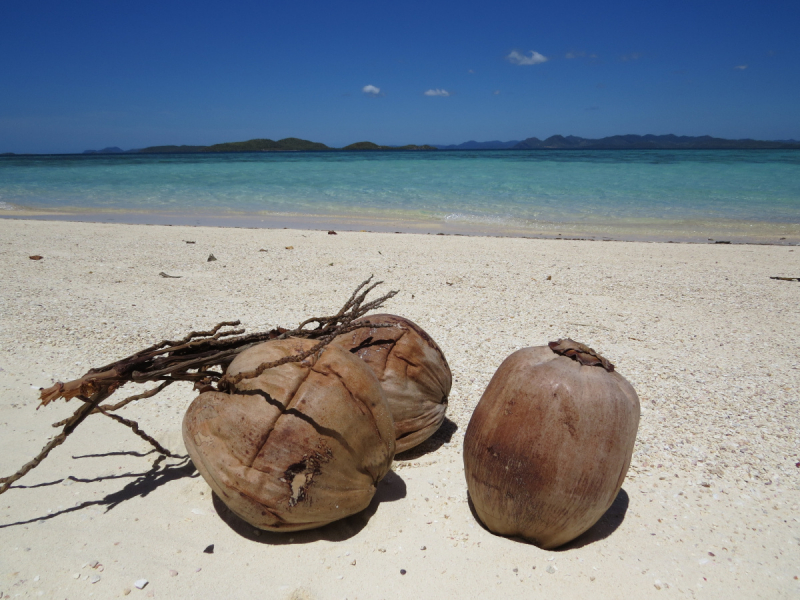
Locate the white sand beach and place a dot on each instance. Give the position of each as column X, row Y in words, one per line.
column 710, row 507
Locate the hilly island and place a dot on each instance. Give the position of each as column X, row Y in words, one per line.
column 555, row 142
column 256, row 145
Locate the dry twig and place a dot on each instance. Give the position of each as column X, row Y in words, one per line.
column 189, row 359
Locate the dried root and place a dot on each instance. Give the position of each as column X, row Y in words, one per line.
column 192, row 359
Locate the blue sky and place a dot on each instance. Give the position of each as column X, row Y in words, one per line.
column 78, row 75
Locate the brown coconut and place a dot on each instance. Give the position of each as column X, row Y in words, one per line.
column 413, row 372
column 300, row 446
column 549, row 443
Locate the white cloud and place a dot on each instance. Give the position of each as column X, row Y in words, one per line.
column 437, row 92
column 497, row 92
column 631, row 56
column 520, row 59
column 575, row 55
column 740, row 67
column 371, row 90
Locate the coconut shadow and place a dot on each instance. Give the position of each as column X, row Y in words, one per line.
column 442, row 436
column 390, row 488
column 605, row 526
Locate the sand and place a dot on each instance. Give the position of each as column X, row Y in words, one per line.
column 709, row 508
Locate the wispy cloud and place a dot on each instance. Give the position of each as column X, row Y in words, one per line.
column 631, row 56
column 580, row 54
column 371, row 90
column 515, row 58
column 496, row 92
column 740, row 67
column 437, row 92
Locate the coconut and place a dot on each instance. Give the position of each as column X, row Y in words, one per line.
column 299, row 446
column 413, row 372
column 550, row 442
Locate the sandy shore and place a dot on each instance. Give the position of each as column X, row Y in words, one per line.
column 709, row 341
column 634, row 230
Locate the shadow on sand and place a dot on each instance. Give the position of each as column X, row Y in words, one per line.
column 608, row 524
column 442, row 436
column 390, row 488
column 142, row 485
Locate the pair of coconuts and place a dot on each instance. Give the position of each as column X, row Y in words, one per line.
column 306, row 443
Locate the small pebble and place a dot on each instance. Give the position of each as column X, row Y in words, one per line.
column 140, row 583
column 657, row 584
column 173, row 573
column 126, row 591
column 402, row 571
column 551, row 569
column 209, row 549
column 591, row 578
column 423, row 548
column 94, row 579
column 94, row 564
column 76, row 576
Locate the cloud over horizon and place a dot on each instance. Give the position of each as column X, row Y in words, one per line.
column 437, row 92
column 371, row 90
column 740, row 67
column 515, row 58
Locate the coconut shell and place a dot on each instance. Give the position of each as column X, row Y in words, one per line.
column 549, row 444
column 413, row 372
column 300, row 446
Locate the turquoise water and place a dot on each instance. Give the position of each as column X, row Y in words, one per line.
column 498, row 190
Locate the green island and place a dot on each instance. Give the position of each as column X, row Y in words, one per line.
column 372, row 146
column 256, row 145
column 555, row 142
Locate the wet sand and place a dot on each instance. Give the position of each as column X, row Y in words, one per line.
column 651, row 230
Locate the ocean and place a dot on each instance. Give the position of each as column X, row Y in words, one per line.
column 661, row 195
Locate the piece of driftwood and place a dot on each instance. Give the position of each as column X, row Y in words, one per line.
column 200, row 357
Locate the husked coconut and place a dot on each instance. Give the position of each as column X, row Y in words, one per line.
column 550, row 442
column 413, row 372
column 299, row 446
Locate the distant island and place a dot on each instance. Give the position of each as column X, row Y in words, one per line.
column 371, row 146
column 473, row 145
column 629, row 142
column 555, row 142
column 257, row 145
